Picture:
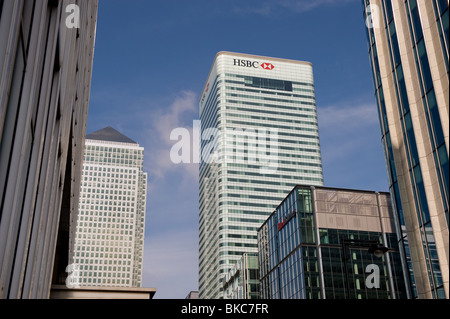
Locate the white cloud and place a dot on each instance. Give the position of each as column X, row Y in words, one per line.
column 150, row 122
column 344, row 117
column 167, row 119
column 300, row 6
column 170, row 259
column 180, row 113
column 348, row 129
column 267, row 8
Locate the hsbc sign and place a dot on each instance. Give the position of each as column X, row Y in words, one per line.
column 286, row 219
column 267, row 66
column 253, row 64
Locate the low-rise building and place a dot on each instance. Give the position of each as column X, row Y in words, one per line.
column 319, row 244
column 242, row 281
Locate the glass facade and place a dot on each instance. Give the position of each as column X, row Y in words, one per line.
column 259, row 139
column 242, row 281
column 412, row 116
column 109, row 237
column 299, row 258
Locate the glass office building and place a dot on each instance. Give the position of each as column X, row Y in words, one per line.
column 316, row 245
column 242, row 281
column 409, row 56
column 109, row 239
column 259, row 138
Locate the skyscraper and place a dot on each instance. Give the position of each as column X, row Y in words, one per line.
column 259, row 138
column 409, row 55
column 109, row 238
column 45, row 81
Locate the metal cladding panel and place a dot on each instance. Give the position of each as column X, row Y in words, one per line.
column 43, row 118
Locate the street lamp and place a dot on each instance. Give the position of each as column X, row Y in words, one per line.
column 378, row 250
column 372, row 246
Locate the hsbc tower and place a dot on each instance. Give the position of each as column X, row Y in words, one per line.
column 259, row 138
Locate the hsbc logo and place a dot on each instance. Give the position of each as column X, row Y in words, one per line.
column 267, row 66
column 253, row 64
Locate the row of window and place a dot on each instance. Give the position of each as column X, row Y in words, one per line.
column 276, row 183
column 294, row 134
column 273, row 93
column 242, row 110
column 384, row 125
column 249, row 79
column 271, row 119
column 270, row 159
column 106, row 246
column 277, row 100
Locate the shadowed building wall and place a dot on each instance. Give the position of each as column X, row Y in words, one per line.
column 45, row 79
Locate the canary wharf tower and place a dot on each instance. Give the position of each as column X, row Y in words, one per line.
column 259, row 138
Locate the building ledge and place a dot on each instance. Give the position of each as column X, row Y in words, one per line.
column 62, row 292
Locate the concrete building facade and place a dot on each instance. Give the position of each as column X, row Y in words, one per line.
column 45, row 80
column 409, row 55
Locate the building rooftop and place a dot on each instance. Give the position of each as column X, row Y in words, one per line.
column 360, row 191
column 111, row 135
column 62, row 292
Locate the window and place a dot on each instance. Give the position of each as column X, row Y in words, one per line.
column 426, row 73
column 394, row 42
column 268, row 83
column 417, row 24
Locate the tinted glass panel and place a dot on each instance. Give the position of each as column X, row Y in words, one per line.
column 389, row 14
column 445, row 24
column 412, row 140
column 402, row 88
column 421, row 194
column 443, row 5
column 394, row 42
column 435, row 118
column 391, row 158
column 416, row 19
column 399, row 204
column 443, row 158
column 268, row 83
column 426, row 73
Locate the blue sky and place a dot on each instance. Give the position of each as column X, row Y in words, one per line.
column 151, row 61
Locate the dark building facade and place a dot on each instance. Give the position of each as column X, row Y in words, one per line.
column 46, row 57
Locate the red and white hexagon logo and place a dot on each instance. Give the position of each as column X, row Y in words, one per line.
column 267, row 66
